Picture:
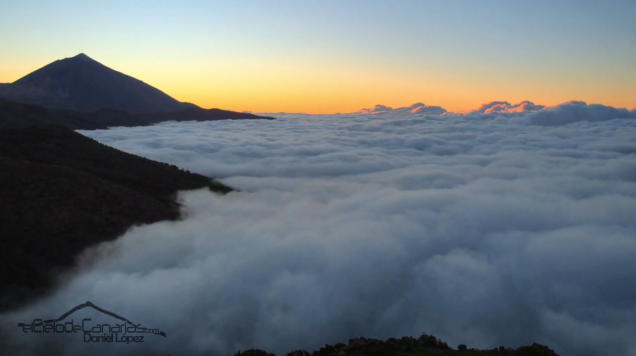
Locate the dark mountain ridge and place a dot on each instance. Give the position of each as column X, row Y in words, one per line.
column 62, row 192
column 19, row 116
column 83, row 84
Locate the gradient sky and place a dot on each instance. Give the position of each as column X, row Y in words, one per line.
column 340, row 56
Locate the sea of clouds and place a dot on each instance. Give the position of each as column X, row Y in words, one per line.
column 497, row 227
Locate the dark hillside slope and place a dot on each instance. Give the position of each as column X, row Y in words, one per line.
column 14, row 115
column 61, row 146
column 61, row 192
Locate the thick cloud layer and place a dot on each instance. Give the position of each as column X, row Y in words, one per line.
column 575, row 111
column 482, row 229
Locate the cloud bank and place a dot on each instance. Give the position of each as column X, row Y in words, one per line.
column 417, row 108
column 507, row 108
column 487, row 229
column 562, row 114
column 576, row 111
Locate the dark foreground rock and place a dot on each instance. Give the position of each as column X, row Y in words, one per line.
column 61, row 192
column 425, row 345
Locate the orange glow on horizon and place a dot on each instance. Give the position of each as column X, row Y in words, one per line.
column 262, row 86
column 274, row 85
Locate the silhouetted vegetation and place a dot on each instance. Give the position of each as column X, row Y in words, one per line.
column 425, row 345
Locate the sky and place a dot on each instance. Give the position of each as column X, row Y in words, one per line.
column 340, row 56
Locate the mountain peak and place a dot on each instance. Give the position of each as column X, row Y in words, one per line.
column 81, row 83
column 81, row 56
column 80, row 59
